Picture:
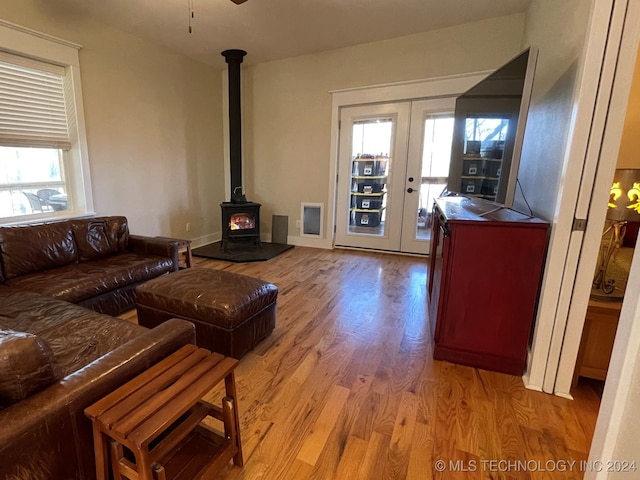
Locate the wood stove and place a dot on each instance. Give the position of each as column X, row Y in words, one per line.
column 240, row 218
column 240, row 224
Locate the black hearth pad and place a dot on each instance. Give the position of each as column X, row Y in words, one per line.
column 239, row 254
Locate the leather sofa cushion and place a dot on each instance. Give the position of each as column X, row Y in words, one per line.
column 118, row 229
column 27, row 365
column 92, row 240
column 27, row 249
column 99, row 237
column 78, row 282
column 77, row 336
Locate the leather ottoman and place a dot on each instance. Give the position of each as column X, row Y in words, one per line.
column 231, row 312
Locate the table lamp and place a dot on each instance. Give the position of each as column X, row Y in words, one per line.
column 624, row 206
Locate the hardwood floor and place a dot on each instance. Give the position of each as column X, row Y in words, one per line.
column 346, row 387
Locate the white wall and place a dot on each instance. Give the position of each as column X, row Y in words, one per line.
column 626, row 448
column 616, row 433
column 153, row 120
column 287, row 105
column 622, row 385
column 551, row 161
column 615, row 437
column 558, row 30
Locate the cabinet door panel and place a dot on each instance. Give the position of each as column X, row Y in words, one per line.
column 487, row 283
column 499, row 282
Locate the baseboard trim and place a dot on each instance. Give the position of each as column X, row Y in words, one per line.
column 206, row 239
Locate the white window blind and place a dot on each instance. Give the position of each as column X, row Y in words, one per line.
column 33, row 110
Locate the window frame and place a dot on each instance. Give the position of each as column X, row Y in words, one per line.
column 25, row 42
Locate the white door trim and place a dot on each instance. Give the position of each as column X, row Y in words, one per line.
column 623, row 368
column 608, row 124
column 447, row 86
column 420, row 109
column 400, row 115
column 557, row 286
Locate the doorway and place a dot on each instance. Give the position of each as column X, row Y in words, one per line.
column 393, row 160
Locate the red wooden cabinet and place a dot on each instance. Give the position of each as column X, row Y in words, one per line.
column 485, row 270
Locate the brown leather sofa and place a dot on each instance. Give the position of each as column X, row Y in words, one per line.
column 93, row 262
column 56, row 359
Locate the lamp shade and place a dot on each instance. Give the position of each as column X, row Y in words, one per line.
column 624, row 201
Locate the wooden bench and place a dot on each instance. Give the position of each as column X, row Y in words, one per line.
column 153, row 423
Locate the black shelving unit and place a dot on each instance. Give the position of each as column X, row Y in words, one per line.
column 368, row 190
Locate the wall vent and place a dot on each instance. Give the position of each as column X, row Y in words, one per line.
column 312, row 215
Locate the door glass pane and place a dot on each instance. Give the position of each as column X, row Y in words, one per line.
column 436, row 155
column 370, row 169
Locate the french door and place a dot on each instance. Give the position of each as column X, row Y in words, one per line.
column 393, row 160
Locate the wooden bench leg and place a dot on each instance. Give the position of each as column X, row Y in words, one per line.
column 145, row 468
column 228, row 415
column 101, row 454
column 230, row 387
column 116, row 456
column 188, row 257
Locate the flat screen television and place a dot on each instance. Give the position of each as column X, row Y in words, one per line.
column 489, row 123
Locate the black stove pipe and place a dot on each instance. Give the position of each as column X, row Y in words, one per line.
column 234, row 59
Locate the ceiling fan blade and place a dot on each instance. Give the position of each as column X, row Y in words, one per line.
column 238, row 2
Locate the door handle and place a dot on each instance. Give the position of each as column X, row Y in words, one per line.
column 445, row 228
column 410, row 190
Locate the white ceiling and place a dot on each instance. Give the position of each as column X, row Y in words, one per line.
column 275, row 29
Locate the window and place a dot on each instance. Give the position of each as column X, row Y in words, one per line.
column 31, row 181
column 436, row 156
column 34, row 134
column 43, row 162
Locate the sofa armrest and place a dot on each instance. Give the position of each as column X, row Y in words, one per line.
column 161, row 246
column 47, row 435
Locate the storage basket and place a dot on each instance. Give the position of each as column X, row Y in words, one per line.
column 368, row 219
